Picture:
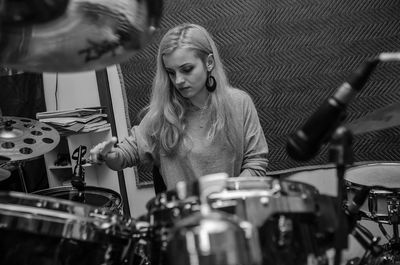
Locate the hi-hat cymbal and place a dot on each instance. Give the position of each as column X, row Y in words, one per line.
column 383, row 118
column 89, row 35
column 23, row 138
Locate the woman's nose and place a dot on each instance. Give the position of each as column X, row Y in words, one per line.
column 179, row 79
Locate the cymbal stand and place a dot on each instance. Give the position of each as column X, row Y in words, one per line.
column 78, row 178
column 22, row 177
column 341, row 154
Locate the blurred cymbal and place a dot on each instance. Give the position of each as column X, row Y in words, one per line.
column 383, row 118
column 4, row 174
column 88, row 35
column 4, row 159
column 23, row 138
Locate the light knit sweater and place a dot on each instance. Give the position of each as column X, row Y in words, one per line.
column 198, row 155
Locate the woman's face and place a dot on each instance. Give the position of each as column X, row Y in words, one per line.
column 188, row 73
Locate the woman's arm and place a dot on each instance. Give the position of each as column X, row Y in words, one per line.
column 255, row 156
column 132, row 151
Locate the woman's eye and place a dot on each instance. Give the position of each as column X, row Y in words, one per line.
column 187, row 70
column 171, row 73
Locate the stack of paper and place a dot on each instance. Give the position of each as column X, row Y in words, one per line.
column 76, row 120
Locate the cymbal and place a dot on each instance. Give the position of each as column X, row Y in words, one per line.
column 24, row 138
column 88, row 35
column 4, row 174
column 383, row 118
column 4, row 159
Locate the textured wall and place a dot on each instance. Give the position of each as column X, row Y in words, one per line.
column 290, row 55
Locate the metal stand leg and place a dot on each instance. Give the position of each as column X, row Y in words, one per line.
column 21, row 177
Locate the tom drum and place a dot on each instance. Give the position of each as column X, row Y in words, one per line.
column 40, row 230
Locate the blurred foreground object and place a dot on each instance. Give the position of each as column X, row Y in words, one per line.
column 74, row 35
column 383, row 118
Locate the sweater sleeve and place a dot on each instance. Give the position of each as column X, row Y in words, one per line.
column 133, row 150
column 255, row 156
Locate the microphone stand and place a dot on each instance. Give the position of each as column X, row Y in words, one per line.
column 341, row 154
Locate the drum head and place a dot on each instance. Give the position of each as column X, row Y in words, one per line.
column 385, row 175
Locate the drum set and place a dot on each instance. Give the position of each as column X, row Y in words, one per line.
column 215, row 220
column 246, row 220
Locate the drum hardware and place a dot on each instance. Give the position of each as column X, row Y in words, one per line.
column 341, row 154
column 164, row 211
column 209, row 236
column 78, row 177
column 369, row 242
column 19, row 166
column 382, row 208
column 285, row 231
column 82, row 34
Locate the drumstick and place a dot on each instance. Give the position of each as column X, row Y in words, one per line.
column 98, row 157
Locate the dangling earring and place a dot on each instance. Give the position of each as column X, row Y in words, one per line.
column 211, row 84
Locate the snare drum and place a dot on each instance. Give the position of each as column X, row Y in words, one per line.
column 40, row 230
column 105, row 200
column 383, row 203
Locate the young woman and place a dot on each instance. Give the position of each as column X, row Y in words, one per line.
column 196, row 123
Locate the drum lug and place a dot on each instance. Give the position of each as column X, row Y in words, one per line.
column 264, row 201
column 372, row 205
column 393, row 206
column 285, row 229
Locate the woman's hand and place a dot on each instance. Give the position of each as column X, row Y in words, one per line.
column 98, row 154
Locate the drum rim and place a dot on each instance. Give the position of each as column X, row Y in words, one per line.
column 115, row 196
column 66, row 219
column 69, row 188
column 240, row 194
column 375, row 188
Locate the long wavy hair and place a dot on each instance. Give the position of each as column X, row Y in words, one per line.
column 167, row 108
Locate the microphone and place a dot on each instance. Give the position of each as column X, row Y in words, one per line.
column 305, row 143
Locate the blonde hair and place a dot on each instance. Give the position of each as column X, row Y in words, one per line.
column 167, row 107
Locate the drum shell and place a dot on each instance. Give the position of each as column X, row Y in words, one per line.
column 47, row 231
column 267, row 203
column 105, row 200
column 213, row 238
